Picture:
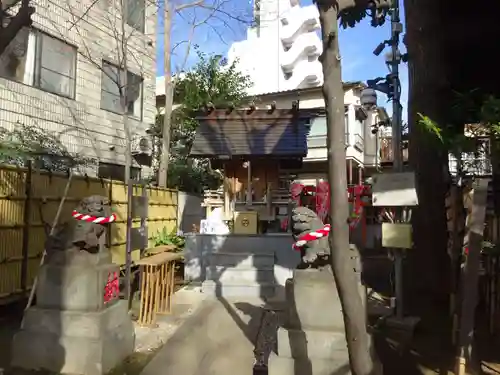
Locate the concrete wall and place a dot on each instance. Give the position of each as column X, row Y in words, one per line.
column 79, row 122
column 189, row 211
column 199, row 247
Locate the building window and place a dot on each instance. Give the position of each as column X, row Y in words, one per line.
column 318, row 126
column 42, row 61
column 112, row 90
column 117, row 172
column 136, row 14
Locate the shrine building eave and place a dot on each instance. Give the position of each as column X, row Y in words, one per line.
column 228, row 134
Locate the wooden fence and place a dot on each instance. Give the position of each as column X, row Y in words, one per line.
column 28, row 205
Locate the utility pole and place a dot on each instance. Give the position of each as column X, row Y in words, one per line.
column 395, row 59
column 123, row 84
column 169, row 95
column 396, row 29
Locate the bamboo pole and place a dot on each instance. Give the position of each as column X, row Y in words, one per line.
column 52, row 230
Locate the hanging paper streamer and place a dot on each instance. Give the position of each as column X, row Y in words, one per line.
column 357, row 197
column 322, row 200
column 295, row 190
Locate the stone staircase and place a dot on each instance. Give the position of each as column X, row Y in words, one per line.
column 240, row 274
column 250, row 266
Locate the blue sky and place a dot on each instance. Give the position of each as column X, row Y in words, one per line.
column 215, row 36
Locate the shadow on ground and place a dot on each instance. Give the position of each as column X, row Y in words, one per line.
column 10, row 321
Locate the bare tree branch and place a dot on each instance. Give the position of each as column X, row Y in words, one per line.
column 94, row 2
column 193, row 4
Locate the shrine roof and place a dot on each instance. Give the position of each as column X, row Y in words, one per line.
column 259, row 132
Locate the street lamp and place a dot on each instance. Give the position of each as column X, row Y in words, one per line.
column 368, row 98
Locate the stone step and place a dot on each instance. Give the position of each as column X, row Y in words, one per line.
column 312, row 344
column 232, row 290
column 278, row 365
column 243, row 275
column 259, row 244
column 241, row 260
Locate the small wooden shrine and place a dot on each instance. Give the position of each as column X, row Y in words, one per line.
column 255, row 148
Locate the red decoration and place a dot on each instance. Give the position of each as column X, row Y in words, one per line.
column 358, row 195
column 323, row 200
column 94, row 219
column 112, row 288
column 295, row 190
column 311, row 236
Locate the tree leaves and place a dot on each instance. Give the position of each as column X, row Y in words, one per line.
column 44, row 148
column 212, row 80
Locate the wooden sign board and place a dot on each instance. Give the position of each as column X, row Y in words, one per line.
column 140, row 207
column 139, row 238
column 394, row 189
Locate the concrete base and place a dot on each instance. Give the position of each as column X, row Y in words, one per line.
column 278, row 365
column 313, row 341
column 313, row 302
column 73, row 287
column 307, row 344
column 71, row 342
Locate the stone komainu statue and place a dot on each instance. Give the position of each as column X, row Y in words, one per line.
column 76, row 236
column 315, row 254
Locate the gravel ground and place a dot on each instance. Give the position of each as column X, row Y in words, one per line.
column 148, row 339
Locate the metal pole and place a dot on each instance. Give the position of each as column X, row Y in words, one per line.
column 396, row 106
column 128, row 244
column 396, row 146
column 26, row 228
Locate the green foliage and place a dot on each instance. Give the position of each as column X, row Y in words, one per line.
column 164, row 237
column 465, row 110
column 490, row 114
column 193, row 176
column 212, row 80
column 431, row 127
column 44, row 148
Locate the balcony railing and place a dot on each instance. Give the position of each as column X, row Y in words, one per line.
column 472, row 164
column 319, row 141
column 359, row 142
column 316, row 141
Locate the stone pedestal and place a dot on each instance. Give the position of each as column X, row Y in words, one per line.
column 312, row 342
column 71, row 329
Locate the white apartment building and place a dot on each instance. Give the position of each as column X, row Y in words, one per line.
column 58, row 76
column 281, row 51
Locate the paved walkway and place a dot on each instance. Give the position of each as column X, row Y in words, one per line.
column 218, row 339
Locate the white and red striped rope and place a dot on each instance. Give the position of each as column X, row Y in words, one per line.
column 94, row 219
column 311, row 236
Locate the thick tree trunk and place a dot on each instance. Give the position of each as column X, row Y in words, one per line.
column 20, row 20
column 358, row 341
column 429, row 264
